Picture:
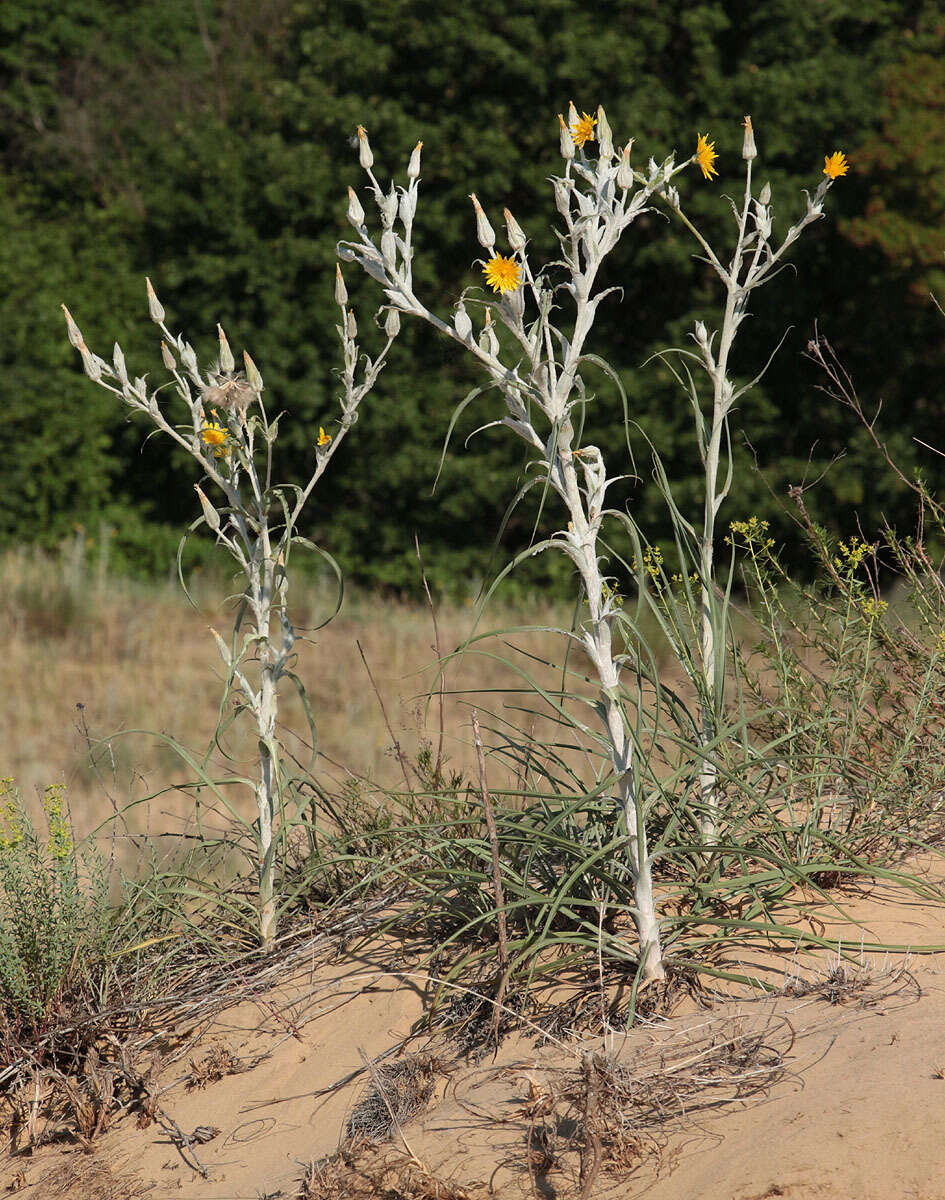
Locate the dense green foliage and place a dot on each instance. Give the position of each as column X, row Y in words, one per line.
column 206, row 143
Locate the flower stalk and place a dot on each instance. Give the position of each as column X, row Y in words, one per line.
column 230, row 437
column 541, row 385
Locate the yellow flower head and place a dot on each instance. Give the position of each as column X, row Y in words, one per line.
column 835, row 164
column 583, row 131
column 705, row 156
column 323, row 437
column 502, row 274
column 218, row 436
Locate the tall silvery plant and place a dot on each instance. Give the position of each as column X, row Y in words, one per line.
column 541, row 386
column 757, row 257
column 228, row 433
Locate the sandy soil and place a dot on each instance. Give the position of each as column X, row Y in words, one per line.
column 853, row 1110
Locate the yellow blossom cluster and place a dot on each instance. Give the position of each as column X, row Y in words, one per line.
column 12, row 833
column 850, row 555
column 753, row 532
column 652, row 562
column 60, row 839
column 873, row 608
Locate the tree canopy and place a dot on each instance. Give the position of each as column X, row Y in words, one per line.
column 207, row 144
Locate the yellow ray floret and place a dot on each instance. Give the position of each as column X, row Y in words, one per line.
column 502, row 274
column 214, row 434
column 705, row 156
column 323, row 437
column 583, row 131
column 835, row 164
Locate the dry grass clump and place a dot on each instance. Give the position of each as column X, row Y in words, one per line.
column 364, row 1172
column 843, row 980
column 399, row 1090
column 600, row 1120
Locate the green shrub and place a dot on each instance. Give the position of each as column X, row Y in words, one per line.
column 54, row 914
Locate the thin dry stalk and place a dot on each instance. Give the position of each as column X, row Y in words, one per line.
column 499, row 894
column 438, row 767
column 401, row 757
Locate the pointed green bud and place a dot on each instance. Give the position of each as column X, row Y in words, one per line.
column 118, row 359
column 516, row 234
column 605, row 137
column 389, row 249
column 413, row 167
column 155, row 308
column 365, row 156
column 351, row 326
column 765, row 196
column 210, row 514
column 222, row 646
column 74, row 332
column 167, row 358
column 392, row 323
column 227, row 362
column 91, row 363
column 253, row 378
column 484, row 231
column 461, row 322
column 749, row 151
column 355, row 211
column 625, row 171
column 341, row 292
column 565, row 140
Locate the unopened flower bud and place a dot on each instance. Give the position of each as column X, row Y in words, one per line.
column 605, row 137
column 487, row 339
column 365, row 157
column 516, row 302
column 91, row 363
column 516, row 234
column 341, row 292
column 74, row 332
column 565, row 140
column 702, row 336
column 355, row 211
column 408, row 207
column 226, row 354
column 388, row 206
column 189, row 358
column 389, row 249
column 572, row 115
column 167, row 358
column 351, row 326
column 210, row 514
column 253, row 377
column 749, row 150
column 562, row 197
column 484, row 231
column 413, row 167
column 392, row 323
column 625, row 171
column 118, row 359
column 155, row 308
column 765, row 196
column 461, row 322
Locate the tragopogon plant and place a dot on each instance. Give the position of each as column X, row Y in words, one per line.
column 231, row 438
column 756, row 259
column 540, row 382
